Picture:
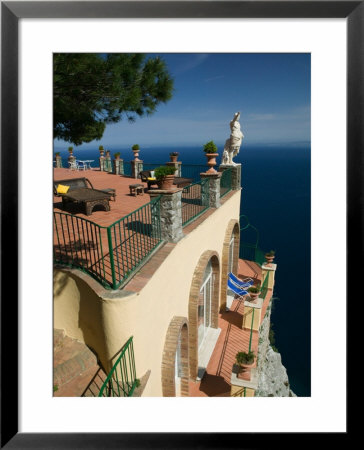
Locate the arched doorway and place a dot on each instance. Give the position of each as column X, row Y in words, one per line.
column 230, row 257
column 203, row 307
column 175, row 372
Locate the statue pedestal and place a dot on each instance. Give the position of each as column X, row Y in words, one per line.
column 236, row 174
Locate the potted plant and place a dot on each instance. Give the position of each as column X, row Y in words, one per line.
column 210, row 150
column 269, row 257
column 254, row 292
column 117, row 155
column 135, row 149
column 107, row 152
column 243, row 361
column 165, row 177
column 58, row 154
column 173, row 156
column 70, row 150
column 101, row 148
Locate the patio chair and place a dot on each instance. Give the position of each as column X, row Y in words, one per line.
column 146, row 177
column 81, row 165
column 241, row 283
column 233, row 291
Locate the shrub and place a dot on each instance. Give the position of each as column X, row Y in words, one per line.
column 162, row 171
column 116, row 154
column 58, row 153
column 210, row 147
column 245, row 357
column 135, row 147
column 174, row 154
column 101, row 147
column 270, row 253
column 70, row 149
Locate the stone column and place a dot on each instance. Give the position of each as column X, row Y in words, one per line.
column 136, row 167
column 177, row 166
column 236, row 174
column 102, row 163
column 108, row 164
column 118, row 167
column 170, row 208
column 71, row 159
column 214, row 188
column 58, row 161
column 270, row 270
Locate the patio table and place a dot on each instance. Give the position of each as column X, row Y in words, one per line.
column 88, row 197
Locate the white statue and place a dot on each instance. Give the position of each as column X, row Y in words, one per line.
column 232, row 145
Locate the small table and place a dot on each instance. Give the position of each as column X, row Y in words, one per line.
column 181, row 182
column 136, row 189
column 111, row 191
column 89, row 197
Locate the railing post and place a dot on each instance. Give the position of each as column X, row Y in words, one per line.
column 170, row 207
column 136, row 168
column 102, row 163
column 213, row 187
column 235, row 174
column 111, row 254
column 118, row 166
column 58, row 162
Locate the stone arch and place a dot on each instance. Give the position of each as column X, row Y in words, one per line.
column 196, row 284
column 233, row 229
column 178, row 327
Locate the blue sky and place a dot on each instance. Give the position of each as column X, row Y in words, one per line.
column 272, row 92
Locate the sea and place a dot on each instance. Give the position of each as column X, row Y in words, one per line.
column 276, row 197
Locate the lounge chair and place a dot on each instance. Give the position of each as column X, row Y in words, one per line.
column 241, row 283
column 235, row 290
column 146, row 177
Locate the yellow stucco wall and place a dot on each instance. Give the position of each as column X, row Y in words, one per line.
column 106, row 323
column 248, row 316
column 238, row 391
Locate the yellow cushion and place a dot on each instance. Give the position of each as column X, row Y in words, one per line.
column 151, row 178
column 61, row 189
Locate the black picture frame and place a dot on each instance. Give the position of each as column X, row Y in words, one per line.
column 11, row 12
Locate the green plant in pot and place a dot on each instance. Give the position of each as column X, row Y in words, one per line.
column 70, row 150
column 254, row 292
column 165, row 177
column 269, row 257
column 243, row 361
column 173, row 156
column 136, row 149
column 117, row 155
column 210, row 150
column 101, row 149
column 58, row 153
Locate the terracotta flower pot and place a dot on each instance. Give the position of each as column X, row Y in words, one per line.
column 173, row 158
column 253, row 296
column 136, row 154
column 211, row 161
column 269, row 259
column 166, row 183
column 101, row 152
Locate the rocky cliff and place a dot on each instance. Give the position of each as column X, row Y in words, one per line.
column 273, row 379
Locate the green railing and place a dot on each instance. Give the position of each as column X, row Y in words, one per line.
column 249, row 240
column 264, row 287
column 109, row 254
column 121, row 381
column 226, row 182
column 195, row 200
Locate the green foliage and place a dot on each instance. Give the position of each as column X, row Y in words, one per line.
column 55, row 388
column 162, row 171
column 91, row 90
column 117, row 154
column 270, row 253
column 174, row 154
column 245, row 357
column 137, row 382
column 101, row 148
column 210, row 147
column 70, row 149
column 254, row 289
column 135, row 147
column 58, row 153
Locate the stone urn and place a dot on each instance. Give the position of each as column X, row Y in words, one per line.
column 102, row 152
column 166, row 183
column 211, row 162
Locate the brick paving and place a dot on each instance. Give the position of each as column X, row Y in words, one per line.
column 75, row 369
column 232, row 339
